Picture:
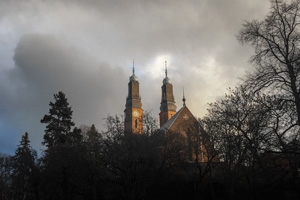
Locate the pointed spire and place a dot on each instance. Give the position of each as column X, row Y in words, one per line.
column 166, row 70
column 133, row 77
column 166, row 79
column 183, row 98
column 133, row 67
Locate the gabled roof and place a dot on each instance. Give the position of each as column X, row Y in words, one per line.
column 184, row 114
column 166, row 126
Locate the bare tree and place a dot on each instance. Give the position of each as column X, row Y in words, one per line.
column 150, row 123
column 239, row 125
column 277, row 59
column 277, row 52
column 129, row 160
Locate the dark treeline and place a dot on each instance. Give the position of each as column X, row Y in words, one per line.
column 112, row 164
column 256, row 155
column 254, row 132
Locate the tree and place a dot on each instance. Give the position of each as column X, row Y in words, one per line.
column 277, row 69
column 277, row 52
column 129, row 160
column 150, row 123
column 241, row 125
column 74, row 170
column 24, row 183
column 95, row 171
column 92, row 138
column 5, row 176
column 59, row 122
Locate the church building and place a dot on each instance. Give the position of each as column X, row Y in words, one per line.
column 171, row 121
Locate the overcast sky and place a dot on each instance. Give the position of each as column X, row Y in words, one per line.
column 85, row 48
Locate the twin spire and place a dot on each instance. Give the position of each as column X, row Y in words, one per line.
column 133, row 107
column 165, row 81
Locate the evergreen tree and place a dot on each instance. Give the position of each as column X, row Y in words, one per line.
column 23, row 170
column 59, row 121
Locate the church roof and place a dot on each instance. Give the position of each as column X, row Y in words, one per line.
column 167, row 81
column 133, row 78
column 166, row 126
column 183, row 115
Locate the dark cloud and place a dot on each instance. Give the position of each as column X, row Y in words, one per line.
column 85, row 49
column 45, row 66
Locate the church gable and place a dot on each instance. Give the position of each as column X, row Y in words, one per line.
column 181, row 121
column 198, row 145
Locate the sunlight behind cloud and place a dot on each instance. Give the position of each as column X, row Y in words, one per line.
column 156, row 68
column 210, row 69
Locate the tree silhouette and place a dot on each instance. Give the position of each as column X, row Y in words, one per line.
column 5, row 176
column 24, row 170
column 277, row 52
column 59, row 121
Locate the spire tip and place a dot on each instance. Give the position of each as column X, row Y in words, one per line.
column 132, row 66
column 183, row 98
column 166, row 70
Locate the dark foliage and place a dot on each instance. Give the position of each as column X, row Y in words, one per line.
column 248, row 156
column 59, row 122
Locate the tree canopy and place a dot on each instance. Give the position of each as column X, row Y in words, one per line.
column 276, row 41
column 59, row 121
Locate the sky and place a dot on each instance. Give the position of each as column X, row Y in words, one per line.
column 86, row 48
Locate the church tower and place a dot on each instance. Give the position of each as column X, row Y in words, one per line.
column 167, row 105
column 133, row 108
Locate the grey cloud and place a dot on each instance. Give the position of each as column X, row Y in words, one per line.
column 85, row 48
column 46, row 66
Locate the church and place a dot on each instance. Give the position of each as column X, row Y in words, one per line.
column 170, row 120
